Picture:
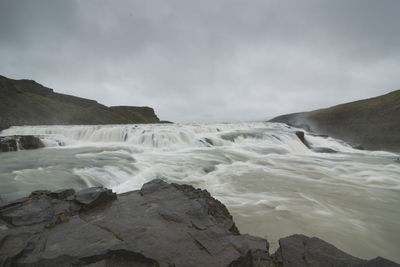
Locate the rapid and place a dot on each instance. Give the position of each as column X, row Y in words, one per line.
column 272, row 184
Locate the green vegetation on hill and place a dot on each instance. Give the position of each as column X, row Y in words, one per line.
column 25, row 102
column 374, row 123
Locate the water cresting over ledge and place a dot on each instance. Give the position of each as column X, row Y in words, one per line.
column 271, row 182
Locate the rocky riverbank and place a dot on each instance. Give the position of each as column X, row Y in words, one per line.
column 372, row 123
column 160, row 225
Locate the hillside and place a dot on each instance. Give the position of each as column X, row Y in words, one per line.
column 26, row 102
column 373, row 123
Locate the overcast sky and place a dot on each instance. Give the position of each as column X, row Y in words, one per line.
column 208, row 60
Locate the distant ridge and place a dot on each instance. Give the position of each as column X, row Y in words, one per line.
column 373, row 123
column 26, row 102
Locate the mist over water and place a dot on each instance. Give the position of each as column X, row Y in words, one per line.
column 273, row 185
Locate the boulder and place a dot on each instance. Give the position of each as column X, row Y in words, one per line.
column 62, row 193
column 301, row 250
column 8, row 144
column 302, row 138
column 94, row 196
column 208, row 141
column 30, row 142
column 210, row 205
column 19, row 142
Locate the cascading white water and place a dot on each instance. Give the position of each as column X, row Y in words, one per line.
column 271, row 182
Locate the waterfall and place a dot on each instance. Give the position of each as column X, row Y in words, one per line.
column 270, row 181
column 178, row 136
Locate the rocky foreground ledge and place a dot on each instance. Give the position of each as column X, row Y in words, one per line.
column 160, row 225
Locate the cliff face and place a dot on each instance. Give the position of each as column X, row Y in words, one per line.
column 373, row 123
column 25, row 102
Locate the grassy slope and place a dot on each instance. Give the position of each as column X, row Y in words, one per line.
column 373, row 123
column 25, row 102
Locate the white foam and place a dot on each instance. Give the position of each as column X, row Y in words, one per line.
column 261, row 171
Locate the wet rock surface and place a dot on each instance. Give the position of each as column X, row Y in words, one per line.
column 94, row 196
column 19, row 142
column 323, row 150
column 8, row 144
column 301, row 250
column 160, row 225
column 303, row 139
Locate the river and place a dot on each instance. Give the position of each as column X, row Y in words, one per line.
column 270, row 181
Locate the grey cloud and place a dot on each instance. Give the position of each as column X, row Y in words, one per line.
column 205, row 60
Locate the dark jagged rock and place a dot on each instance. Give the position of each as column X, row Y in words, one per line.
column 323, row 150
column 300, row 135
column 373, row 123
column 30, row 142
column 207, row 141
column 379, row 262
column 38, row 193
column 318, row 135
column 45, row 208
column 160, row 225
column 8, row 144
column 300, row 250
column 94, row 196
column 210, row 206
column 26, row 102
column 19, row 142
column 359, row 147
column 155, row 185
column 62, row 193
column 253, row 258
column 303, row 139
